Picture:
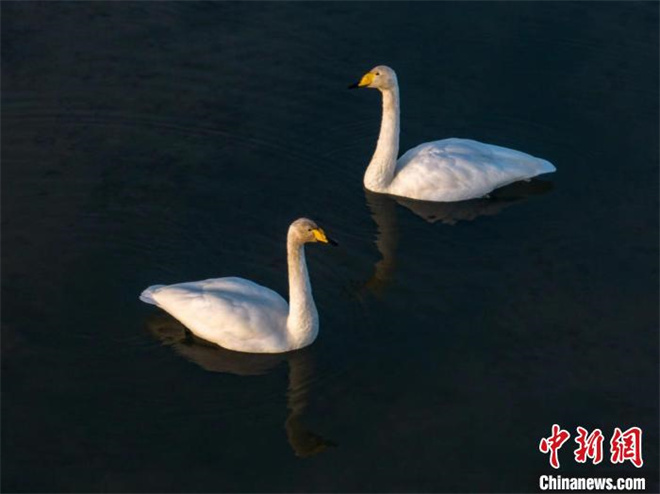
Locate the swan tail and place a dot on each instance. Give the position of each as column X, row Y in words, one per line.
column 147, row 295
column 545, row 167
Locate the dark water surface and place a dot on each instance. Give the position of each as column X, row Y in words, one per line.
column 163, row 142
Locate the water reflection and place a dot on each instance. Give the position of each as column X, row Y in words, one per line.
column 213, row 358
column 383, row 211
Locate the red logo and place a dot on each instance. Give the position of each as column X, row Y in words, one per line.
column 624, row 446
column 627, row 446
column 590, row 446
column 553, row 443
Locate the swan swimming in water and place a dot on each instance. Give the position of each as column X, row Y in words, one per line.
column 240, row 315
column 442, row 171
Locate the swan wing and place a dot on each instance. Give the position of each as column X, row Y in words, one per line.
column 234, row 313
column 461, row 169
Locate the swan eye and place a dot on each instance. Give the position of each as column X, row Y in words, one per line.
column 377, row 73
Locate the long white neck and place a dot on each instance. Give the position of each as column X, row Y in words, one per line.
column 303, row 321
column 380, row 171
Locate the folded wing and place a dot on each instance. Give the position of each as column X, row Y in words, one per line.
column 232, row 312
column 461, row 169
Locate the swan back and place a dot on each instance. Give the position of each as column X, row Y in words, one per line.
column 234, row 313
column 460, row 169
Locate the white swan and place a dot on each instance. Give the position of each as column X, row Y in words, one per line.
column 240, row 315
column 443, row 171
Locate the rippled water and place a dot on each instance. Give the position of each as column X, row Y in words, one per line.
column 162, row 142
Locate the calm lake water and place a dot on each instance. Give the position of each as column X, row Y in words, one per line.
column 161, row 142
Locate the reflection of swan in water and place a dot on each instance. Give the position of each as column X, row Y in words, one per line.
column 451, row 213
column 217, row 359
column 383, row 211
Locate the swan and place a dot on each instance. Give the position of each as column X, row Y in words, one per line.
column 442, row 171
column 243, row 316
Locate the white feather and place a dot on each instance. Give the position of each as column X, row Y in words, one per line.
column 460, row 169
column 234, row 313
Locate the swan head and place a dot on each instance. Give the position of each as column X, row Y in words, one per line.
column 304, row 231
column 380, row 77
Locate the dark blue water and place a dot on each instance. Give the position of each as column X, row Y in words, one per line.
column 161, row 142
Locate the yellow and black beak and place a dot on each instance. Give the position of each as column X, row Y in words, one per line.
column 367, row 79
column 320, row 236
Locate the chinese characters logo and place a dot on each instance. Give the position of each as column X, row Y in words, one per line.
column 624, row 445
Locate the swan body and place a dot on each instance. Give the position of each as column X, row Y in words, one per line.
column 241, row 315
column 442, row 171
